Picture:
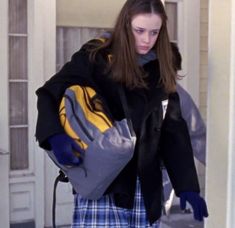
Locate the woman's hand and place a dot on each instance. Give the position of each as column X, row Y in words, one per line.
column 63, row 148
column 196, row 201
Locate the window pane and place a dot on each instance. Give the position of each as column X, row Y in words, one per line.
column 17, row 57
column 18, row 84
column 18, row 103
column 171, row 11
column 18, row 16
column 70, row 39
column 19, row 148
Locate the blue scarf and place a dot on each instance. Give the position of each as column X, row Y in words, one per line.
column 143, row 59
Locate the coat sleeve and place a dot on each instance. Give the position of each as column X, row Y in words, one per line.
column 176, row 150
column 195, row 123
column 78, row 70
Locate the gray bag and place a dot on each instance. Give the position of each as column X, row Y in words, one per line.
column 108, row 149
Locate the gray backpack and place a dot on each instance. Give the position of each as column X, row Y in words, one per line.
column 106, row 145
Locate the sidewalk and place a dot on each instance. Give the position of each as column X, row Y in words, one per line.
column 178, row 219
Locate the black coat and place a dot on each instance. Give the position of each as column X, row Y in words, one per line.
column 158, row 141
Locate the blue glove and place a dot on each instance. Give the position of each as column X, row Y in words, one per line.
column 63, row 148
column 196, row 201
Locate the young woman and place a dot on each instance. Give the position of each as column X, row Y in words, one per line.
column 137, row 57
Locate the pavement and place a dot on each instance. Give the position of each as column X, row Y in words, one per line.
column 179, row 219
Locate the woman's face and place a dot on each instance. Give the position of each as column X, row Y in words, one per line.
column 145, row 28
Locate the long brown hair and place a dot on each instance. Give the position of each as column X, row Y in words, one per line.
column 124, row 65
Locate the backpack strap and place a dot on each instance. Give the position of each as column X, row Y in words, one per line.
column 60, row 178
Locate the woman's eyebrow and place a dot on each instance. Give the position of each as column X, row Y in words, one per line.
column 137, row 27
column 152, row 30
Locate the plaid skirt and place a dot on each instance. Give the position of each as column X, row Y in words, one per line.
column 103, row 213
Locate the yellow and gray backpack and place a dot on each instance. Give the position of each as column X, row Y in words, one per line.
column 106, row 145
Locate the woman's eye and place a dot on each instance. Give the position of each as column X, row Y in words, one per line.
column 139, row 31
column 154, row 33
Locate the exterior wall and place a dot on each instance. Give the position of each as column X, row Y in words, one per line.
column 4, row 146
column 203, row 58
column 203, row 78
column 220, row 118
column 96, row 14
column 4, row 190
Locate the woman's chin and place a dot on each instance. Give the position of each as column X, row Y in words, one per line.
column 142, row 52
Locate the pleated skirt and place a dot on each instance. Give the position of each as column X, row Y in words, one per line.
column 103, row 213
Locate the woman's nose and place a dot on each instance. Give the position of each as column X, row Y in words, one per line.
column 146, row 37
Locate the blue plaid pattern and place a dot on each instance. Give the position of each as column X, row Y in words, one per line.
column 103, row 213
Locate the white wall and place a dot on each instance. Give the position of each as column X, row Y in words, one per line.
column 96, row 14
column 203, row 82
column 221, row 108
column 231, row 163
column 4, row 144
column 4, row 190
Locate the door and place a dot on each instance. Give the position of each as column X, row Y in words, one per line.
column 21, row 54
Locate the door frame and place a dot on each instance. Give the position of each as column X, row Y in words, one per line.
column 29, row 183
column 4, row 144
column 189, row 44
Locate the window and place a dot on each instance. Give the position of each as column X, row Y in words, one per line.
column 18, row 84
column 70, row 39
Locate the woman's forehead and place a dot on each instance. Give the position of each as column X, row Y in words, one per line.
column 151, row 21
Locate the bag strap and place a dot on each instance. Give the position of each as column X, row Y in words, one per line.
column 61, row 177
column 126, row 109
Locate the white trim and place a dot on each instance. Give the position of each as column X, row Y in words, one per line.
column 22, row 202
column 49, row 45
column 4, row 118
column 220, row 118
column 231, row 162
column 35, row 74
column 4, row 190
column 18, row 80
column 181, row 38
column 30, row 63
column 17, row 34
column 189, row 44
column 18, row 126
column 188, row 39
column 49, row 57
column 31, row 180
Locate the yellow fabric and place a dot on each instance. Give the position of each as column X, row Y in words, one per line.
column 68, row 129
column 100, row 121
column 97, row 117
column 101, row 39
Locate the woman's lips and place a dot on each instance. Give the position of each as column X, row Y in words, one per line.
column 145, row 48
